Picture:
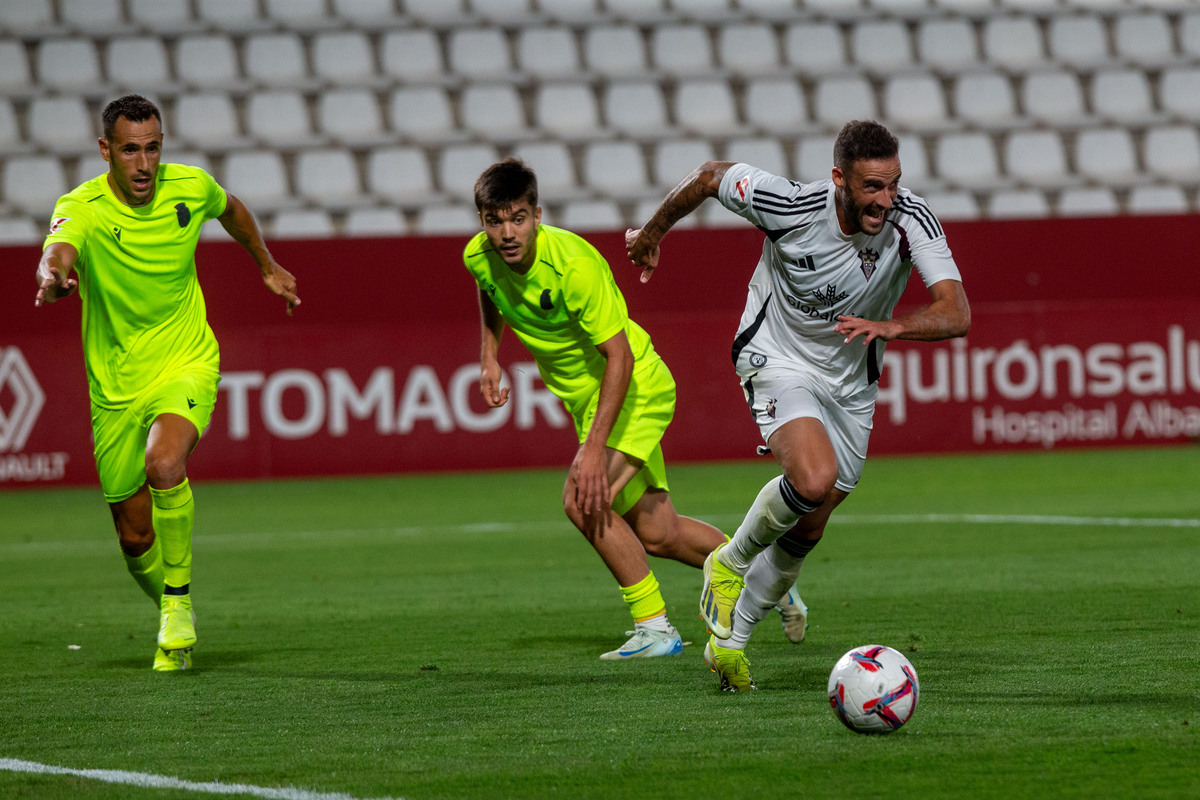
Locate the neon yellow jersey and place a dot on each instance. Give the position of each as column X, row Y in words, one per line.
column 565, row 305
column 143, row 312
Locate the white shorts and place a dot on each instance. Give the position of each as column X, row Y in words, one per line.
column 779, row 394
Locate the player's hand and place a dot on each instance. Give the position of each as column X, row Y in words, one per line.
column 869, row 329
column 282, row 283
column 641, row 252
column 587, row 481
column 54, row 285
column 489, row 386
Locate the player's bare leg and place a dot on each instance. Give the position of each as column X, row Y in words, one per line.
column 666, row 534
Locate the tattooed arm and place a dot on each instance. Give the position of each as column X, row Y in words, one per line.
column 701, row 184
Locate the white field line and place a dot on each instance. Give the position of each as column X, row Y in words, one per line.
column 148, row 781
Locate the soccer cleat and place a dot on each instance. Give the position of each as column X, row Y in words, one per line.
column 178, row 628
column 647, row 643
column 719, row 595
column 731, row 666
column 795, row 616
column 172, row 660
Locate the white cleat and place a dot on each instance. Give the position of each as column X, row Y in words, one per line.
column 795, row 616
column 647, row 643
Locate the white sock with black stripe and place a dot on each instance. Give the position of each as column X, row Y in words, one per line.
column 776, row 509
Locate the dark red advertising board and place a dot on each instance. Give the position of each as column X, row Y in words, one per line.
column 1085, row 333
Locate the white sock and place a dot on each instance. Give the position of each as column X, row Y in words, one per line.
column 776, row 509
column 659, row 623
column 767, row 581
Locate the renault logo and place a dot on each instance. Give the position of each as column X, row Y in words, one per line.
column 17, row 381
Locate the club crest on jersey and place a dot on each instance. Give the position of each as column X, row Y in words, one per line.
column 758, row 360
column 545, row 301
column 769, row 410
column 183, row 214
column 869, row 257
column 57, row 223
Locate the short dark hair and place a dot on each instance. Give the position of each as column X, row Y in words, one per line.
column 132, row 107
column 504, row 184
column 863, row 140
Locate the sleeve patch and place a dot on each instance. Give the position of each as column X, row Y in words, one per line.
column 57, row 223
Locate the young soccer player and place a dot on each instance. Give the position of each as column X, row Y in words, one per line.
column 130, row 236
column 835, row 262
column 558, row 295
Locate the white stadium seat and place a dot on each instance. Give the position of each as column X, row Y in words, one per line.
column 813, row 158
column 553, row 164
column 92, row 164
column 614, row 50
column 343, row 57
column 1036, row 157
column 1107, row 155
column 1018, row 204
column 616, row 168
column 985, row 98
column 10, row 133
column 400, row 175
column 33, row 184
column 967, row 159
column 278, row 117
column 953, row 205
column 26, row 15
column 501, row 11
column 635, row 107
column 763, row 152
column 915, row 101
column 63, row 123
column 367, row 222
column 19, row 231
column 493, row 110
column 548, row 52
column 411, row 55
column 1145, row 39
column 681, row 49
column 1179, row 91
column 230, row 15
column 92, row 17
column 881, row 46
column 842, row 98
column 1122, row 95
column 1080, row 41
column 460, row 165
column 328, row 176
column 706, row 106
column 638, row 10
column 776, row 105
column 1054, row 97
column 815, row 47
column 436, row 12
column 479, row 52
column 566, row 109
column 366, row 13
column 257, row 177
column 1173, row 152
column 748, row 48
column 1160, row 199
column 207, row 60
column 311, row 223
column 422, row 113
column 68, row 64
column 351, row 116
column 275, row 58
column 206, row 120
column 947, row 43
column 592, row 215
column 1087, row 201
column 572, row 11
column 297, row 14
column 1013, row 42
column 1189, row 34
column 14, row 65
column 457, row 220
column 675, row 158
column 914, row 163
column 137, row 62
column 161, row 15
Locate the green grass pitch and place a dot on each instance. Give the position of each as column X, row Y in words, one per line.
column 429, row 637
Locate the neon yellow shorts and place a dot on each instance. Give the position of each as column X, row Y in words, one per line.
column 120, row 433
column 643, row 419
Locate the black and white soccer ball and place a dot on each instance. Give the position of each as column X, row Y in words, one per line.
column 873, row 689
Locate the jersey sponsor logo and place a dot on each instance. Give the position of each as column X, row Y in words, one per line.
column 830, row 296
column 742, row 186
column 183, row 214
column 868, row 257
column 57, row 223
column 546, row 302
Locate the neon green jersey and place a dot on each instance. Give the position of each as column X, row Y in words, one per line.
column 143, row 313
column 565, row 305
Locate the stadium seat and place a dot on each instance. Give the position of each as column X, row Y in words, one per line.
column 776, row 105
column 566, row 109
column 311, row 223
column 1160, row 199
column 966, row 159
column 986, row 99
column 763, row 152
column 1018, row 204
column 257, row 177
column 770, row 10
column 1189, row 34
column 1122, row 96
column 813, row 158
column 815, row 48
column 1145, row 39
column 947, row 44
column 90, row 165
column 275, row 58
column 1087, row 201
column 847, row 9
column 592, row 215
column 1079, row 41
column 193, row 158
column 366, row 14
column 298, row 14
column 343, row 57
column 953, row 205
column 278, row 118
column 206, row 120
column 459, row 166
column 881, row 46
column 899, row 7
column 437, row 12
column 553, row 164
column 33, row 184
column 614, row 50
column 706, row 106
column 206, row 60
column 1179, row 91
column 26, row 16
column 352, row 116
column 366, row 222
column 502, row 11
column 479, row 52
column 915, row 101
column 1013, row 42
column 64, row 124
column 636, row 107
column 1173, row 152
column 1036, row 157
column 93, row 17
column 493, row 111
column 675, row 158
column 616, row 168
column 230, row 15
column 134, row 63
column 411, row 56
column 708, row 10
column 328, row 177
column 842, row 98
column 914, row 164
column 547, row 52
column 571, row 11
column 14, row 66
column 10, row 133
column 400, row 175
column 638, row 10
column 1054, row 97
column 455, row 220
column 1107, row 155
column 421, row 113
column 748, row 48
column 681, row 49
column 161, row 16
column 68, row 64
column 19, row 231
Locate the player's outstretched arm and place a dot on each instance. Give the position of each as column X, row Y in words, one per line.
column 701, row 184
column 947, row 317
column 491, row 327
column 54, row 273
column 239, row 223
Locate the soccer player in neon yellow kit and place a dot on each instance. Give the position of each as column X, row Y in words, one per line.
column 558, row 295
column 151, row 358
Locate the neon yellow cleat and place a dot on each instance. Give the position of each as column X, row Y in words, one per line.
column 719, row 595
column 731, row 666
column 178, row 628
column 172, row 660
column 795, row 616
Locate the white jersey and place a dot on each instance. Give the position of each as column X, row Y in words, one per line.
column 810, row 273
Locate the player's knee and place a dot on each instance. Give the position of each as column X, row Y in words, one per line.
column 165, row 472
column 814, row 485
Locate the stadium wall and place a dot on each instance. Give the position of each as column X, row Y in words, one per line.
column 1085, row 333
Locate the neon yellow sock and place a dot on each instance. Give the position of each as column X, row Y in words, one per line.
column 644, row 599
column 147, row 570
column 174, row 513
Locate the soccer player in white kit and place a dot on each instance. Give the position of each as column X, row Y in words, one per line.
column 836, row 257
